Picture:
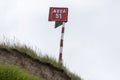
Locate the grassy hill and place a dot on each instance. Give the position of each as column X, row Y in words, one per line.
column 24, row 63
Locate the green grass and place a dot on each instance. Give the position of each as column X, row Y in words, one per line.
column 45, row 58
column 12, row 72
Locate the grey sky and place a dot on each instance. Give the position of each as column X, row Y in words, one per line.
column 91, row 44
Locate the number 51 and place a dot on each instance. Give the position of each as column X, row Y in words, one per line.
column 58, row 16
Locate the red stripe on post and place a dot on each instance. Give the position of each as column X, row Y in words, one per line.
column 62, row 29
column 60, row 57
column 61, row 43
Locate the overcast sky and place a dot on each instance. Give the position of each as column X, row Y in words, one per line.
column 92, row 33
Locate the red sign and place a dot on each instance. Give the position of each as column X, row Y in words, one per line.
column 58, row 14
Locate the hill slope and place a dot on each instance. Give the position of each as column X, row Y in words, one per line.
column 20, row 57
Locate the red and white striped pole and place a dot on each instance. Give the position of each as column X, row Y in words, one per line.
column 61, row 42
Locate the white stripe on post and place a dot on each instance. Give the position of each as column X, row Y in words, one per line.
column 62, row 36
column 61, row 42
